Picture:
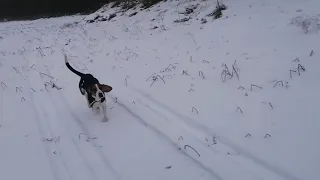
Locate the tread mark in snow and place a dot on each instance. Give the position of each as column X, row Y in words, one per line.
column 82, row 127
column 85, row 130
column 190, row 122
column 166, row 138
column 89, row 167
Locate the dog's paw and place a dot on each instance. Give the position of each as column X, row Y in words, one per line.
column 104, row 119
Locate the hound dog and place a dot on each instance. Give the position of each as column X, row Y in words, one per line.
column 91, row 88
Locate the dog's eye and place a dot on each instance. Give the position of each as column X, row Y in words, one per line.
column 93, row 89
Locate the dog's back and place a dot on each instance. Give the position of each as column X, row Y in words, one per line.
column 86, row 80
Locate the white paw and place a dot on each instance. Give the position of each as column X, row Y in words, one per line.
column 104, row 119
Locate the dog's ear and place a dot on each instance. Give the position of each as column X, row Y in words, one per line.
column 105, row 88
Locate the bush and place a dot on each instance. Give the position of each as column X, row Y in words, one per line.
column 128, row 4
column 306, row 23
column 149, row 3
column 217, row 13
column 33, row 9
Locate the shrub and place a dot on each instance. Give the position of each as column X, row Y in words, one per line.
column 149, row 3
column 307, row 24
column 217, row 13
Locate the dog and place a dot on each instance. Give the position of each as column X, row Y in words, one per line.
column 91, row 88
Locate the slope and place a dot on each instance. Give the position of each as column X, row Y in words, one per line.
column 230, row 98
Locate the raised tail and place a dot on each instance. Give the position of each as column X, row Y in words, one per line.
column 71, row 68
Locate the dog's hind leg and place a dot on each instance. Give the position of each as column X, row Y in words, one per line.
column 82, row 90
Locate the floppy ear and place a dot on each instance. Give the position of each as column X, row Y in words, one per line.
column 105, row 88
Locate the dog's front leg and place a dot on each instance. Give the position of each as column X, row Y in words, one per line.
column 103, row 110
column 95, row 110
column 86, row 95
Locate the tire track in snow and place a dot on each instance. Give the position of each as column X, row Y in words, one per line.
column 81, row 154
column 164, row 116
column 194, row 140
column 81, row 126
column 51, row 158
column 54, row 165
column 194, row 137
column 41, row 130
column 193, row 124
column 160, row 134
column 92, row 143
column 42, row 112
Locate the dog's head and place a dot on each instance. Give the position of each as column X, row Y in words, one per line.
column 97, row 91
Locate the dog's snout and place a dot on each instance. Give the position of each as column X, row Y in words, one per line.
column 100, row 95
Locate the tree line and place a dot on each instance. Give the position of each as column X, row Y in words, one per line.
column 33, row 9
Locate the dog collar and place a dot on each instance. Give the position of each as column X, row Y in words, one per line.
column 103, row 98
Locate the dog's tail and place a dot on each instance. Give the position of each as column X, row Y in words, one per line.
column 71, row 69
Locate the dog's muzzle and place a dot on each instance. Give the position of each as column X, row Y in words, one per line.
column 102, row 98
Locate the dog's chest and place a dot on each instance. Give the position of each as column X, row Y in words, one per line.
column 90, row 99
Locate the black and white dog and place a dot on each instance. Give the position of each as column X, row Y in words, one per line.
column 91, row 88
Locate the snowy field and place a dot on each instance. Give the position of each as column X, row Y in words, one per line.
column 236, row 98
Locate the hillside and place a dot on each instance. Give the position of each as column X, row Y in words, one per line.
column 193, row 97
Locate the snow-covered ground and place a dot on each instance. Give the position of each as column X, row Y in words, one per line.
column 175, row 112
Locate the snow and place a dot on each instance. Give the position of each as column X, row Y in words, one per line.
column 170, row 114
